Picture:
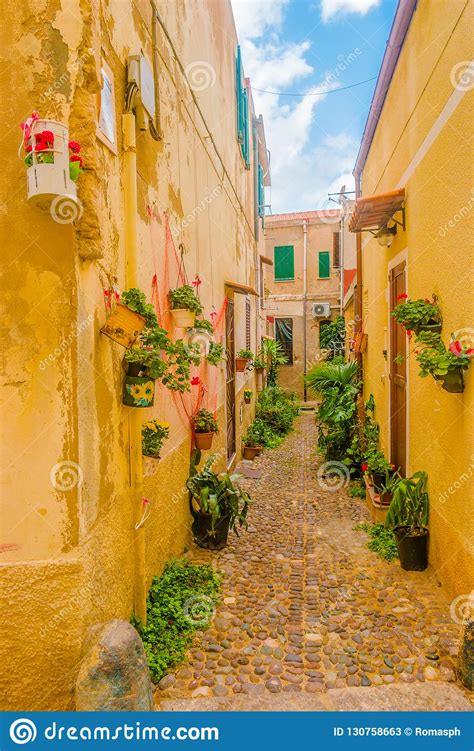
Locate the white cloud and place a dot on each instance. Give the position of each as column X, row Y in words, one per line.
column 331, row 8
column 254, row 17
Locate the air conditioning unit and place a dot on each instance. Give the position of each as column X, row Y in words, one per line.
column 321, row 310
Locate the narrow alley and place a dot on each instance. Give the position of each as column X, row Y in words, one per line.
column 307, row 612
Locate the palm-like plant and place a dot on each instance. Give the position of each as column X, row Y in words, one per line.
column 272, row 353
column 218, row 495
column 409, row 506
column 329, row 375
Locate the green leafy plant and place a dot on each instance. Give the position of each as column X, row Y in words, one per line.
column 377, row 463
column 154, row 434
column 274, row 356
column 382, row 540
column 180, row 357
column 216, row 353
column 248, row 393
column 135, row 300
column 415, row 313
column 434, row 359
column 205, row 422
column 245, row 354
column 150, row 360
column 277, row 409
column 410, row 503
column 185, row 298
column 260, row 434
column 356, row 490
column 204, row 325
column 332, row 337
column 259, row 361
column 219, row 495
column 174, row 613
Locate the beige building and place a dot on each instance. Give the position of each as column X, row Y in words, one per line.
column 303, row 286
column 175, row 162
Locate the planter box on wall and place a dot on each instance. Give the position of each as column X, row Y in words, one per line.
column 50, row 187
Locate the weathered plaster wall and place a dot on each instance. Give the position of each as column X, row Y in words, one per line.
column 438, row 244
column 72, row 550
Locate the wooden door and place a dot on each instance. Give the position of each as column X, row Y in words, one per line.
column 230, row 379
column 398, row 373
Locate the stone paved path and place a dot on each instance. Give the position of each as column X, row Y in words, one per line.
column 309, row 618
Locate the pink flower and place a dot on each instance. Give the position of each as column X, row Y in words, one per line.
column 470, row 352
column 195, row 381
column 41, row 146
column 146, row 502
column 46, row 135
column 74, row 146
column 455, row 348
column 197, row 281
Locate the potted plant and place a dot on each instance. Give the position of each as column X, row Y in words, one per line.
column 243, row 357
column 145, row 366
column 204, row 427
column 253, row 440
column 154, row 433
column 247, row 396
column 185, row 306
column 216, row 353
column 446, row 365
column 129, row 318
column 378, row 468
column 259, row 364
column 385, row 492
column 217, row 504
column 418, row 315
column 408, row 516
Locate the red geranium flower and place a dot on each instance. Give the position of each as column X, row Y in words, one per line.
column 74, row 146
column 28, row 148
column 364, row 467
column 45, row 135
column 402, row 296
column 76, row 158
column 195, row 381
column 409, row 333
column 470, row 351
column 41, row 146
column 455, row 348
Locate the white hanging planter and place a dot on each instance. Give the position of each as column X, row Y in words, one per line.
column 50, row 187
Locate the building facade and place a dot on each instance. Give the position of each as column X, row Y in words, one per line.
column 303, row 287
column 175, row 165
column 412, row 176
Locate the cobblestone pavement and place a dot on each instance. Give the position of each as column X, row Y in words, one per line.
column 307, row 609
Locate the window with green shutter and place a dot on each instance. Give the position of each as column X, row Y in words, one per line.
column 261, row 192
column 324, row 264
column 284, row 263
column 243, row 135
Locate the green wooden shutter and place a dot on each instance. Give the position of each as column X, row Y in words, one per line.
column 238, row 95
column 284, row 261
column 246, row 141
column 261, row 192
column 324, row 267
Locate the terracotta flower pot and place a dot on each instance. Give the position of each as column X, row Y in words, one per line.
column 241, row 364
column 250, row 452
column 183, row 318
column 138, row 391
column 247, row 399
column 260, row 371
column 203, row 441
column 123, row 325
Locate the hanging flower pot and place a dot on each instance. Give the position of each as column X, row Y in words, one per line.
column 183, row 318
column 138, row 391
column 203, row 441
column 432, row 327
column 53, row 167
column 247, row 396
column 123, row 325
column 453, row 381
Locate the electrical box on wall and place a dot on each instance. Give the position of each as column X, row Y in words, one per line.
column 321, row 310
column 140, row 72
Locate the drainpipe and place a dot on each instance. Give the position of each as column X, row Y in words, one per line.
column 341, row 261
column 134, row 417
column 305, row 294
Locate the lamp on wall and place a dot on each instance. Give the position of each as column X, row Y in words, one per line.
column 385, row 235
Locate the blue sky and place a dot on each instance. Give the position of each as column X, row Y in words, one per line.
column 303, row 46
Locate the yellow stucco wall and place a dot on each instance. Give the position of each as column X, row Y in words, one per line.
column 71, row 556
column 422, row 143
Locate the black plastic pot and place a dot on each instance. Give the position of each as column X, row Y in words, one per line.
column 434, row 327
column 453, row 381
column 205, row 536
column 412, row 548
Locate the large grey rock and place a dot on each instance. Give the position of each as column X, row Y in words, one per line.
column 114, row 675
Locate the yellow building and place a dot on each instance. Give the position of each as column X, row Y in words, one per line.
column 303, row 287
column 413, row 174
column 174, row 159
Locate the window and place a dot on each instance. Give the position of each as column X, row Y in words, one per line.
column 324, row 265
column 247, row 324
column 336, row 250
column 284, row 263
column 284, row 335
column 106, row 127
column 242, row 111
